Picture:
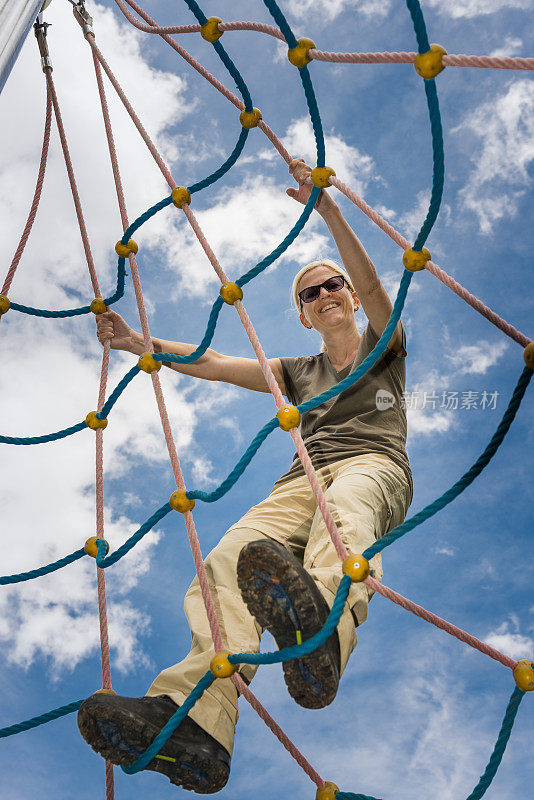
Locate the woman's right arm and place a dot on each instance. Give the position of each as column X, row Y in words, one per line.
column 211, row 366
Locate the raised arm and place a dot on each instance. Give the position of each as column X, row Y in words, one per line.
column 211, row 366
column 374, row 299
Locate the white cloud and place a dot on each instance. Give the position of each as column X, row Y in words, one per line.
column 330, row 9
column 458, row 9
column 503, row 151
column 511, row 47
column 508, row 639
column 477, row 359
column 444, row 551
column 242, row 225
column 47, row 492
column 353, row 167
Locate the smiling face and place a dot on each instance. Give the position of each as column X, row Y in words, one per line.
column 331, row 310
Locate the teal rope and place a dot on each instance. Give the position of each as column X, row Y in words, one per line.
column 36, row 573
column 134, row 539
column 167, row 731
column 244, row 658
column 500, row 745
column 117, row 391
column 34, row 722
column 48, row 437
column 466, row 479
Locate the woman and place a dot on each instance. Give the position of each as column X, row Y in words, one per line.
column 277, row 568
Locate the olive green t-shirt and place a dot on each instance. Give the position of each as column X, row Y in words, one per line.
column 368, row 417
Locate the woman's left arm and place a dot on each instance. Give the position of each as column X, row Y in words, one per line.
column 374, row 299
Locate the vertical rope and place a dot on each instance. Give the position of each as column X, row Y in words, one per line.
column 36, row 197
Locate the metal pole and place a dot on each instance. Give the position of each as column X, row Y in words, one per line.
column 16, row 18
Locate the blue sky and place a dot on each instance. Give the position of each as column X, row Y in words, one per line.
column 417, row 713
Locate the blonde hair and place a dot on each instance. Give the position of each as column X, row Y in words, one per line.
column 323, row 262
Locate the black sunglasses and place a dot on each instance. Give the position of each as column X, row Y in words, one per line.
column 311, row 293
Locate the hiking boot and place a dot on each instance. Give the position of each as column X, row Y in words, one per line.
column 121, row 729
column 285, row 599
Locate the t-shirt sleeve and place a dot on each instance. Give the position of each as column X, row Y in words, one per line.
column 292, row 369
column 289, row 368
column 373, row 339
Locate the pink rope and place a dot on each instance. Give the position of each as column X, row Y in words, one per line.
column 439, row 273
column 275, row 391
column 180, row 483
column 477, row 304
column 100, row 576
column 126, row 103
column 482, row 62
column 180, row 50
column 277, row 730
column 36, row 197
column 72, row 181
column 440, row 623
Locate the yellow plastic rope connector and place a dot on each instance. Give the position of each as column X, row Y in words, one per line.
column 93, row 422
column 430, row 64
column 4, row 304
column 528, row 355
column 288, row 417
column 230, row 292
column 414, row 260
column 181, row 196
column 327, row 792
column 220, row 666
column 250, row 119
column 91, row 548
column 105, row 691
column 179, row 501
column 356, row 567
column 298, row 56
column 320, row 176
column 209, row 31
column 124, row 250
column 524, row 675
column 98, row 306
column 148, row 363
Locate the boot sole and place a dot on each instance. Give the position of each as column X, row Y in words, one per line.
column 121, row 736
column 283, row 598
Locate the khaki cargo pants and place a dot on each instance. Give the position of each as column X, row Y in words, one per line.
column 368, row 495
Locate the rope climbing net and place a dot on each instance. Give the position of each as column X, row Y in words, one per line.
column 428, row 61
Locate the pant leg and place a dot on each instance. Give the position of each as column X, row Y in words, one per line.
column 286, row 516
column 368, row 496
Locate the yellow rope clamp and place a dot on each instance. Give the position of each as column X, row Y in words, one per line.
column 250, row 119
column 327, row 792
column 356, row 567
column 4, row 304
column 320, row 176
column 91, row 548
column 430, row 64
column 414, row 260
column 148, row 363
column 179, row 501
column 105, row 691
column 524, row 675
column 220, row 666
column 230, row 292
column 298, row 56
column 124, row 250
column 98, row 306
column 288, row 417
column 181, row 196
column 209, row 31
column 528, row 355
column 93, row 422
